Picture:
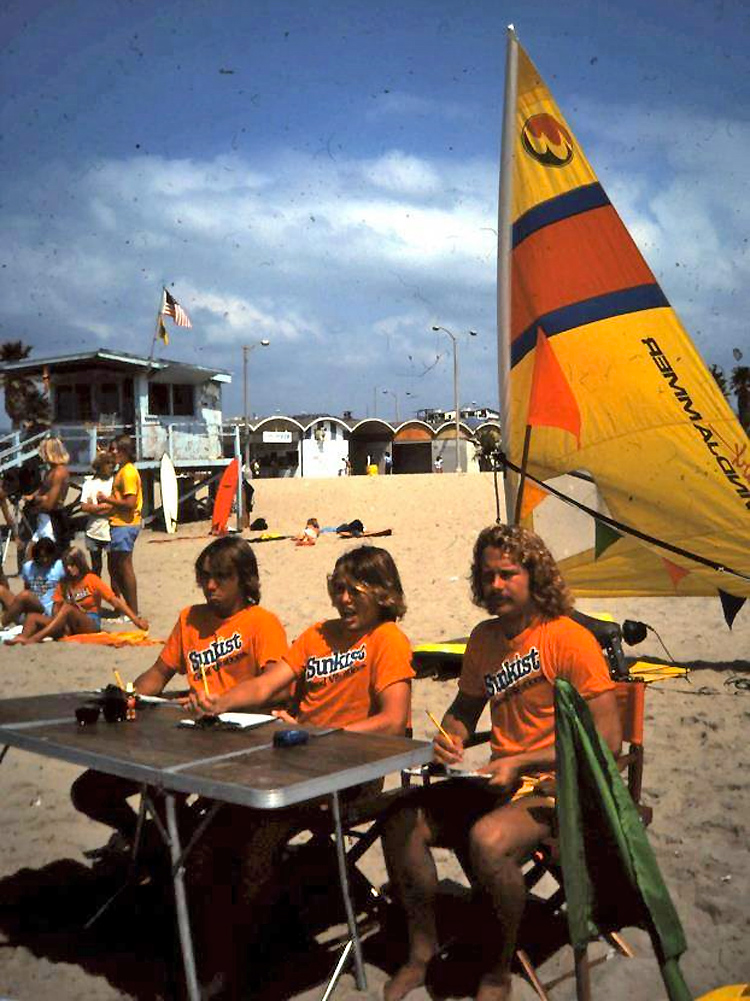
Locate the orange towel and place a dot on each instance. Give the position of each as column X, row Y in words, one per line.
column 136, row 637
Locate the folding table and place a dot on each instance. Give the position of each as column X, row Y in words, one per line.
column 241, row 767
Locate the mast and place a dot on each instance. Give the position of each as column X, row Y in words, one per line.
column 504, row 257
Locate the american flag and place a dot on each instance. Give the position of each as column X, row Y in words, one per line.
column 171, row 307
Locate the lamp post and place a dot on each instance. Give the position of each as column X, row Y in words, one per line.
column 454, row 341
column 390, row 392
column 246, row 349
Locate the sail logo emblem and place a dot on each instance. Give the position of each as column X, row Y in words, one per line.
column 547, row 141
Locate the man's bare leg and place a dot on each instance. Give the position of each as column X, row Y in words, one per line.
column 412, row 872
column 121, row 565
column 18, row 605
column 498, row 843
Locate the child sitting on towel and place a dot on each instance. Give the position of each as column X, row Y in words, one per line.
column 354, row 672
column 76, row 604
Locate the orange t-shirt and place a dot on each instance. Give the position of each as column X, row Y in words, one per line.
column 88, row 592
column 340, row 681
column 229, row 650
column 517, row 677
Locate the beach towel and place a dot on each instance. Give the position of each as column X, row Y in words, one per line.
column 609, row 869
column 134, row 637
column 10, row 633
column 365, row 535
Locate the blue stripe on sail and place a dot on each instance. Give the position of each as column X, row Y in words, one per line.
column 590, row 196
column 601, row 307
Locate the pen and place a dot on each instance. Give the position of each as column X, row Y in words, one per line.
column 444, row 732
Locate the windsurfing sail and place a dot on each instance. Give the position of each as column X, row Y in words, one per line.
column 667, row 454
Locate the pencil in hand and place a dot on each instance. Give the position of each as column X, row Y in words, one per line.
column 205, row 680
column 449, row 737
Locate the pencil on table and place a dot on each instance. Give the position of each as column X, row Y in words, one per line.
column 118, row 679
column 448, row 736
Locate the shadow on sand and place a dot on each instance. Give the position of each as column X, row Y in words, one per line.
column 134, row 945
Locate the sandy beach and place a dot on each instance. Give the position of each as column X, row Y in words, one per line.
column 696, row 743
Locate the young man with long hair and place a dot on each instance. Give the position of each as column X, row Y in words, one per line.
column 512, row 660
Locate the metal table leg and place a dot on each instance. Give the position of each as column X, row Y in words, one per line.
column 359, row 966
column 180, row 898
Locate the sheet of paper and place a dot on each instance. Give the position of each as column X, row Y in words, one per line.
column 246, row 719
column 461, row 773
column 243, row 720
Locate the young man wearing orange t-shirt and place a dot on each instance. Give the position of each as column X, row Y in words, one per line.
column 511, row 661
column 230, row 638
column 353, row 672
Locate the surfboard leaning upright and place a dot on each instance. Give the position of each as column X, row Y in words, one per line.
column 169, row 493
column 225, row 495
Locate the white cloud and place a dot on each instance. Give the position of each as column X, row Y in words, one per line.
column 402, row 174
column 350, row 260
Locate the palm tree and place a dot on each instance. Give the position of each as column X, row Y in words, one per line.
column 25, row 403
column 740, row 383
column 721, row 380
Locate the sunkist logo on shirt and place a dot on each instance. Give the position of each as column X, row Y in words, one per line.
column 511, row 673
column 325, row 668
column 217, row 652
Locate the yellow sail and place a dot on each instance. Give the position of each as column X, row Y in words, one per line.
column 667, row 453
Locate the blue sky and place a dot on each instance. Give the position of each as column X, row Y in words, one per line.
column 325, row 175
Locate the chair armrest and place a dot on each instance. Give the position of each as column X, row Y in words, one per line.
column 480, row 737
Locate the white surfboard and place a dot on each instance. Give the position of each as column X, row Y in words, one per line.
column 169, row 496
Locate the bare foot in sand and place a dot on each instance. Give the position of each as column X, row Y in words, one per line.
column 494, row 989
column 405, row 980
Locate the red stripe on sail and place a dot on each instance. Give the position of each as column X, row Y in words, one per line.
column 589, row 255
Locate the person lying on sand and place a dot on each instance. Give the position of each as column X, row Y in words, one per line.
column 77, row 605
column 227, row 640
column 41, row 574
column 310, row 533
column 353, row 671
column 511, row 660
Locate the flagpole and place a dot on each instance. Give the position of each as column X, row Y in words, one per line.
column 156, row 328
column 504, row 247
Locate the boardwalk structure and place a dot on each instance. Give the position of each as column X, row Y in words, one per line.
column 165, row 405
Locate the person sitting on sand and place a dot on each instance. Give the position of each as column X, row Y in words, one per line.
column 41, row 574
column 227, row 573
column 353, row 671
column 310, row 534
column 77, row 604
column 511, row 660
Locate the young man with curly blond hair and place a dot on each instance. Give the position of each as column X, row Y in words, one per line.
column 512, row 660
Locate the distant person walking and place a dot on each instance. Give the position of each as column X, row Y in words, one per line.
column 439, row 464
column 124, row 506
column 388, row 463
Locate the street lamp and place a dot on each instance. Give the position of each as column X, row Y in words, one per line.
column 390, row 392
column 246, row 349
column 454, row 341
